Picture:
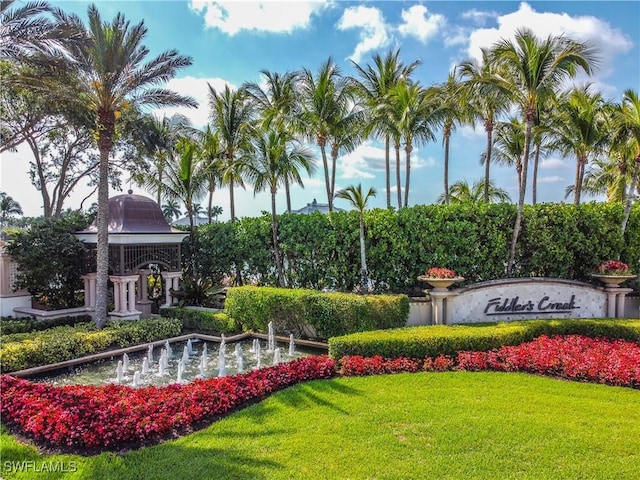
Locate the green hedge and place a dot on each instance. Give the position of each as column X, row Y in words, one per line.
column 26, row 350
column 322, row 251
column 9, row 325
column 329, row 314
column 202, row 321
column 431, row 341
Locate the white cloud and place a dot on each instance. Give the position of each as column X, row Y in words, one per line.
column 608, row 41
column 551, row 179
column 198, row 89
column 275, row 16
column 478, row 17
column 419, row 23
column 374, row 32
column 552, row 163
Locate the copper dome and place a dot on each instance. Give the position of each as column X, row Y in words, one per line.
column 132, row 213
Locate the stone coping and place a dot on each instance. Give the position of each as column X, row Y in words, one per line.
column 527, row 280
column 41, row 314
column 141, row 347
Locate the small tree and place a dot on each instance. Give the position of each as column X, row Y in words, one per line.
column 51, row 260
column 359, row 201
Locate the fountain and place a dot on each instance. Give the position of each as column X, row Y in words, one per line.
column 180, row 371
column 136, row 379
column 292, row 346
column 161, row 369
column 167, row 348
column 276, row 356
column 145, row 366
column 119, row 372
column 258, row 355
column 239, row 359
column 222, row 367
column 150, row 353
column 190, row 347
column 125, row 362
column 271, row 338
column 185, row 354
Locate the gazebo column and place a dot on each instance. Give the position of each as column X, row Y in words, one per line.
column 90, row 290
column 124, row 295
column 143, row 304
column 171, row 280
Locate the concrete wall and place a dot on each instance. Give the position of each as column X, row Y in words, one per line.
column 10, row 299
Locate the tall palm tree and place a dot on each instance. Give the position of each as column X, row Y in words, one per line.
column 373, row 85
column 231, row 116
column 276, row 103
column 8, row 207
column 212, row 152
column 417, row 115
column 462, row 192
column 533, row 70
column 171, row 209
column 486, row 100
column 626, row 141
column 580, row 129
column 357, row 199
column 508, row 146
column 114, row 77
column 325, row 97
column 276, row 160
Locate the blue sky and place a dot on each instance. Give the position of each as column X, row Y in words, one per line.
column 230, row 42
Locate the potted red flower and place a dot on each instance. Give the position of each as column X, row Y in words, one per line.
column 613, row 273
column 440, row 278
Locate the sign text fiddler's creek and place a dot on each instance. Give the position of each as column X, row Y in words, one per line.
column 510, row 306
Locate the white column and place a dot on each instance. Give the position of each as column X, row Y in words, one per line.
column 171, row 280
column 620, row 300
column 132, row 295
column 143, row 290
column 116, row 292
column 89, row 290
column 611, row 301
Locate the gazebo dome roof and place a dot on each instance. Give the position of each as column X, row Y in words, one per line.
column 132, row 213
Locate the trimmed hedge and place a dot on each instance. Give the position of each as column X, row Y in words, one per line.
column 21, row 325
column 432, row 341
column 201, row 320
column 328, row 314
column 26, row 350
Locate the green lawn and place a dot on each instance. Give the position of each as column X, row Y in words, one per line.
column 454, row 425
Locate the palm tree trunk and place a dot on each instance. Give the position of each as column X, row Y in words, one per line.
column 209, row 212
column 534, row 180
column 287, row 193
column 447, row 135
column 102, row 247
column 398, row 182
column 334, row 159
column 325, row 165
column 363, row 258
column 632, row 188
column 408, row 148
column 276, row 246
column 523, row 188
column 387, row 168
column 488, row 126
column 232, row 205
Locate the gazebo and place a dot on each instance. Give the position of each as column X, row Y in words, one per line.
column 139, row 236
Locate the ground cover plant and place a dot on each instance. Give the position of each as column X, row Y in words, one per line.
column 448, row 425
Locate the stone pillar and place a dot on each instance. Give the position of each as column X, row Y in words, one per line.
column 143, row 290
column 90, row 290
column 125, row 300
column 620, row 300
column 171, row 280
column 438, row 301
column 611, row 301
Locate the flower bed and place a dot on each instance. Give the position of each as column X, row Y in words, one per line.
column 113, row 417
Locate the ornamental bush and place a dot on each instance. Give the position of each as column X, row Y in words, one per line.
column 435, row 340
column 23, row 325
column 25, row 350
column 202, row 320
column 328, row 314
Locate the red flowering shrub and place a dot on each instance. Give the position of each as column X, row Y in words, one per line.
column 440, row 272
column 613, row 267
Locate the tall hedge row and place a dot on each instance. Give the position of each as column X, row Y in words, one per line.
column 322, row 251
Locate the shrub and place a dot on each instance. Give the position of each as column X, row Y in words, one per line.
column 201, row 320
column 329, row 314
column 432, row 341
column 22, row 325
column 25, row 350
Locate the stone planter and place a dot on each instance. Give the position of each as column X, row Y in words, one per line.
column 440, row 284
column 612, row 280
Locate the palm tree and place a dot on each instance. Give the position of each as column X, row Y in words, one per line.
column 214, row 212
column 373, row 86
column 462, row 192
column 273, row 163
column 533, row 70
column 508, row 146
column 8, row 207
column 325, row 97
column 358, row 200
column 580, row 129
column 231, row 114
column 113, row 78
column 212, row 151
column 277, row 104
column 171, row 210
column 485, row 100
column 417, row 113
column 626, row 141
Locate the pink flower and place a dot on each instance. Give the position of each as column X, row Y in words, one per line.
column 613, row 267
column 440, row 272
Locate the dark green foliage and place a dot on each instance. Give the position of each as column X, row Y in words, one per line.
column 24, row 325
column 25, row 350
column 202, row 321
column 431, row 341
column 51, row 260
column 199, row 292
column 322, row 251
column 328, row 314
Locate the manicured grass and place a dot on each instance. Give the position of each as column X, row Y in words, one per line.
column 451, row 425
